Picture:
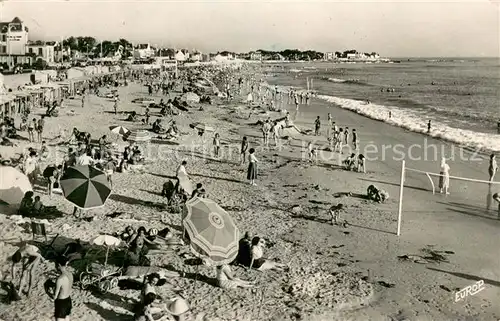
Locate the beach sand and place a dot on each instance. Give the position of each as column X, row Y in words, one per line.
column 359, row 263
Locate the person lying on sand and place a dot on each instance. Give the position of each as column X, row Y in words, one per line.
column 161, row 239
column 29, row 257
column 138, row 273
column 257, row 260
column 226, row 279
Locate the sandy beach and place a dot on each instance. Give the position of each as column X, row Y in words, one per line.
column 359, row 272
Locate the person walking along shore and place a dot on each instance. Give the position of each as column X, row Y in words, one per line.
column 252, row 167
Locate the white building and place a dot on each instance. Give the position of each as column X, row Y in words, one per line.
column 255, row 55
column 46, row 51
column 143, row 51
column 179, row 56
column 13, row 37
column 329, row 56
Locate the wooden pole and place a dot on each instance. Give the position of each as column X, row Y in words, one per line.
column 401, row 187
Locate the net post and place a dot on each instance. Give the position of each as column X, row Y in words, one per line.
column 432, row 183
column 401, row 186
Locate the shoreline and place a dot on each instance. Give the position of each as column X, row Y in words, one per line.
column 399, row 119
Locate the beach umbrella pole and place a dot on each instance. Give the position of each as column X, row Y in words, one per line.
column 106, row 259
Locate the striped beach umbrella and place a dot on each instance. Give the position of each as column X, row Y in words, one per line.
column 119, row 130
column 211, row 230
column 85, row 186
column 138, row 136
column 13, row 185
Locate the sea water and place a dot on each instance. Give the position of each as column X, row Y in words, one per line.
column 461, row 97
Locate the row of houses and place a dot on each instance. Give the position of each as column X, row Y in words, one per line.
column 196, row 55
column 328, row 56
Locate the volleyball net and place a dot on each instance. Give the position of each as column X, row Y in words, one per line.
column 467, row 196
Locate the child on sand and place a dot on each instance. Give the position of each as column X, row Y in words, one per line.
column 361, row 163
column 312, row 153
column 334, row 212
column 109, row 169
column 216, row 143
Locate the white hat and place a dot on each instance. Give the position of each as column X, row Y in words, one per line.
column 177, row 306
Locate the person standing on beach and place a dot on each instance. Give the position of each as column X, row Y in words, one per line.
column 338, row 140
column 444, row 177
column 317, row 126
column 276, row 133
column 243, row 151
column 115, row 104
column 429, row 127
column 252, row 167
column 361, row 163
column 296, row 97
column 346, row 135
column 329, row 125
column 31, row 129
column 83, row 100
column 146, row 115
column 62, row 294
column 41, row 125
column 355, row 139
column 493, row 168
column 181, row 170
column 266, row 129
column 216, row 144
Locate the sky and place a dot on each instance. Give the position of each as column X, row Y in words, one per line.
column 394, row 29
